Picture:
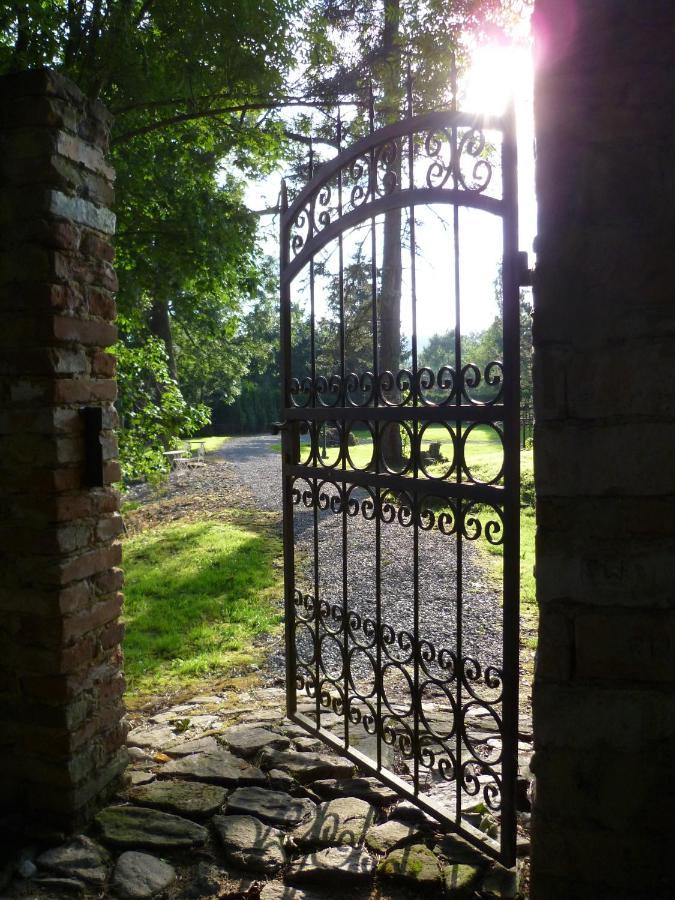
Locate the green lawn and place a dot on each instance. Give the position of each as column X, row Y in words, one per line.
column 212, row 443
column 196, row 597
column 483, row 449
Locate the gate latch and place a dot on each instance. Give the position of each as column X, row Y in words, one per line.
column 278, row 427
column 524, row 275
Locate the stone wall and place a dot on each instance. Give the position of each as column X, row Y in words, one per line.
column 604, row 335
column 62, row 725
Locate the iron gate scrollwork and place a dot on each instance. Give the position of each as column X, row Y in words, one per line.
column 409, row 704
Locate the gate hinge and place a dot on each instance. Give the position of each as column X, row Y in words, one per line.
column 524, row 275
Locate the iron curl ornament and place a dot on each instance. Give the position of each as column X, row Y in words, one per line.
column 443, row 387
column 473, row 154
column 444, row 157
column 438, row 151
column 473, row 519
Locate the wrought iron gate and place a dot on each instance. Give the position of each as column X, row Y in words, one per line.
column 386, row 674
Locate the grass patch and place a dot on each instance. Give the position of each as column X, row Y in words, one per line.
column 213, row 443
column 197, row 595
column 483, row 448
column 528, row 601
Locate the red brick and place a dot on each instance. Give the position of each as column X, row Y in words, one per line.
column 48, row 296
column 39, row 481
column 112, row 688
column 109, row 581
column 94, row 245
column 73, row 506
column 59, row 234
column 65, row 539
column 57, row 660
column 59, row 598
column 91, row 332
column 69, row 267
column 52, row 112
column 109, row 527
column 100, row 302
column 112, row 473
column 74, row 597
column 67, row 479
column 79, row 654
column 112, row 635
column 111, row 419
column 88, row 564
column 48, row 688
column 83, row 390
column 100, row 614
column 116, row 737
column 103, row 365
column 109, row 445
column 106, row 500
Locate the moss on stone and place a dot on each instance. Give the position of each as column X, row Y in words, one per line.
column 416, row 863
column 460, row 879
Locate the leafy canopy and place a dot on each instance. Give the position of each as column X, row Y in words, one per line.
column 190, row 85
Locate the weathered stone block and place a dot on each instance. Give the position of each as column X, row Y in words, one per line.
column 100, row 302
column 90, row 332
column 589, row 717
column 633, row 574
column 599, row 859
column 573, row 782
column 81, row 211
column 84, row 390
column 103, row 365
column 631, row 645
column 555, row 657
column 581, row 459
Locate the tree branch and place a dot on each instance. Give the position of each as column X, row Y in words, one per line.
column 306, row 139
column 265, row 102
column 208, row 114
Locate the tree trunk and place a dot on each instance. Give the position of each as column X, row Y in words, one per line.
column 390, row 293
column 390, row 325
column 160, row 326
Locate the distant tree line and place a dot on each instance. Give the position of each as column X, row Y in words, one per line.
column 259, row 401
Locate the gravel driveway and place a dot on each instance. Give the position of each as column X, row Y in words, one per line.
column 259, row 469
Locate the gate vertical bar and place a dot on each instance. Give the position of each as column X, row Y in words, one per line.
column 458, row 474
column 372, row 187
column 314, row 484
column 414, row 454
column 511, row 626
column 286, row 446
column 342, row 434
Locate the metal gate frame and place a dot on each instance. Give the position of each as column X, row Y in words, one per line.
column 360, row 183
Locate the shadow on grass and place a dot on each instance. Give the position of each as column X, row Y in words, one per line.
column 197, row 596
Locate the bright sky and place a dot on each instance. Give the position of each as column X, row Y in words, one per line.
column 496, row 74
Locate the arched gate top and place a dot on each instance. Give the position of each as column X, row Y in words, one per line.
column 445, row 156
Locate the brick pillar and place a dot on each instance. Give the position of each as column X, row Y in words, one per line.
column 61, row 711
column 604, row 394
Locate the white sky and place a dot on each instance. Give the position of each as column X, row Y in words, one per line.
column 496, row 74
